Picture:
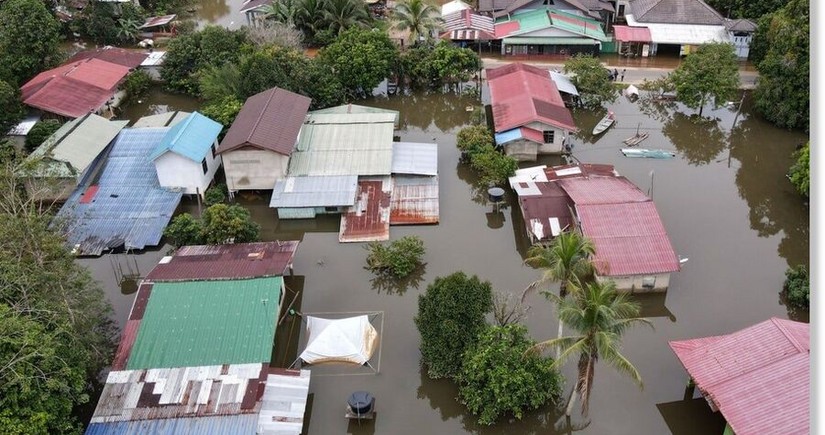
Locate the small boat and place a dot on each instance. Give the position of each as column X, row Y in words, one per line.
column 646, row 153
column 631, row 91
column 634, row 140
column 604, row 124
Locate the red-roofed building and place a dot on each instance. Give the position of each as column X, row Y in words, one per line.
column 529, row 115
column 76, row 88
column 128, row 58
column 758, row 378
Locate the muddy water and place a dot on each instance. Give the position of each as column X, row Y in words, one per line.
column 724, row 200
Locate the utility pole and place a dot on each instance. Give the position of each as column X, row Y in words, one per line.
column 738, row 110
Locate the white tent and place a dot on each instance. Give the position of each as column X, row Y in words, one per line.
column 453, row 6
column 351, row 340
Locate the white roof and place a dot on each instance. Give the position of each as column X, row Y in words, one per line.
column 692, row 34
column 453, row 6
column 351, row 340
column 155, row 58
column 564, row 83
column 529, row 176
column 415, row 158
column 284, row 403
column 315, row 191
column 23, row 128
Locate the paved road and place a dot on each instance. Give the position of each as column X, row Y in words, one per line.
column 633, row 75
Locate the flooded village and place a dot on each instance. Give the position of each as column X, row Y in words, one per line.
column 692, row 217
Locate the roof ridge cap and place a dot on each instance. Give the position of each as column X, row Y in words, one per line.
column 272, row 93
column 779, row 323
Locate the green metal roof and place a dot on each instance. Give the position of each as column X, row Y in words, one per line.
column 578, row 24
column 546, row 40
column 530, row 21
column 74, row 146
column 539, row 19
column 198, row 323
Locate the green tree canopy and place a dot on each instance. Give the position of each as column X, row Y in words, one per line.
column 29, row 37
column 801, row 170
column 420, row 17
column 12, row 108
column 184, row 230
column 40, row 132
column 224, row 223
column 473, row 138
column 342, row 15
column 591, row 79
column 498, row 377
column 566, row 260
column 189, row 54
column 361, row 59
column 450, row 317
column 398, row 258
column 745, row 8
column 783, row 90
column 710, row 74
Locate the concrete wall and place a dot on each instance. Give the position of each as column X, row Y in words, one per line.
column 635, row 283
column 253, row 169
column 176, row 171
column 522, row 150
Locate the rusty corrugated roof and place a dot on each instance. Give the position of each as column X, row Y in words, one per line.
column 369, row 219
column 414, row 200
column 759, row 377
column 270, row 120
column 120, row 56
column 237, row 261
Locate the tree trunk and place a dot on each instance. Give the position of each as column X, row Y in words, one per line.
column 572, row 401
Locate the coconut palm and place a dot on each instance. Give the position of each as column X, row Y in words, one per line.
column 340, row 15
column 419, row 16
column 281, row 11
column 600, row 316
column 566, row 260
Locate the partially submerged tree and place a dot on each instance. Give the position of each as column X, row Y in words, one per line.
column 797, row 287
column 360, row 59
column 399, row 258
column 708, row 75
column 450, row 317
column 600, row 316
column 224, row 223
column 801, row 170
column 420, row 17
column 498, row 377
column 592, row 80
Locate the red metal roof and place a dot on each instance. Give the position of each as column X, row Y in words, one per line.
column 369, row 219
column 504, row 29
column 158, row 21
column 632, row 34
column 533, row 135
column 89, row 194
column 585, row 170
column 522, row 94
column 215, row 262
column 553, row 202
column 130, row 331
column 630, row 239
column 759, row 377
column 119, row 56
column 602, row 190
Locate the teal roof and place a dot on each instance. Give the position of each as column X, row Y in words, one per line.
column 539, row 19
column 191, row 138
column 199, row 323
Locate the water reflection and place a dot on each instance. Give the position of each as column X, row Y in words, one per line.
column 432, row 110
column 691, row 416
column 211, row 11
column 699, row 140
column 158, row 101
column 386, row 283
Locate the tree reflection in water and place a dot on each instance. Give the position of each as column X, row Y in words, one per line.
column 699, row 140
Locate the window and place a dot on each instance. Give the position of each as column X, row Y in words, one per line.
column 549, row 136
column 213, row 150
column 649, row 282
column 204, row 165
column 331, row 209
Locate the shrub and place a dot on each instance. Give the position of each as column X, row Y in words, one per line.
column 497, row 376
column 399, row 258
column 493, row 167
column 215, row 195
column 40, row 132
column 223, row 111
column 184, row 230
column 136, row 84
column 450, row 317
column 797, row 287
column 228, row 224
column 473, row 138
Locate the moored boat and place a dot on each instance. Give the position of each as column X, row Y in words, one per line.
column 605, row 123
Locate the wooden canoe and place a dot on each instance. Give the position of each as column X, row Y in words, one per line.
column 604, row 124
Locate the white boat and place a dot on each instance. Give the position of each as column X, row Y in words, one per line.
column 631, row 91
column 605, row 123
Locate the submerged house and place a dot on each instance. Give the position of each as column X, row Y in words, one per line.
column 758, row 377
column 185, row 159
column 549, row 31
column 529, row 115
column 258, row 145
column 632, row 247
column 212, row 375
column 68, row 157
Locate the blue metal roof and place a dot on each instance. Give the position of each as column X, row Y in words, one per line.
column 190, row 138
column 507, row 136
column 130, row 208
column 218, row 425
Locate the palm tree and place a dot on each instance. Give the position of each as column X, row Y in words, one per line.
column 601, row 316
column 340, row 15
column 419, row 16
column 281, row 11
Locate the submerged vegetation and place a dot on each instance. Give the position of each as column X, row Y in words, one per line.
column 399, row 258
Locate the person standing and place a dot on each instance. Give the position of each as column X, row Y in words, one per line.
column 615, row 74
column 623, row 71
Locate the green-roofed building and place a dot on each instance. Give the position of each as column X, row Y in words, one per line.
column 199, row 323
column 67, row 157
column 549, row 31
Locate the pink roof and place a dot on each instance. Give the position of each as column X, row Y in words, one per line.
column 585, row 170
column 120, row 56
column 74, row 89
column 242, row 260
column 632, row 34
column 629, row 238
column 759, row 377
column 602, row 190
column 507, row 28
column 522, row 94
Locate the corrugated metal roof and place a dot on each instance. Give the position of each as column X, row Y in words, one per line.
column 208, row 322
column 130, row 208
column 582, row 170
column 563, row 83
column 284, row 402
column 629, row 238
column 344, row 144
column 155, row 58
column 759, row 377
column 468, row 25
column 317, row 191
column 354, row 108
column 74, row 146
column 694, row 34
column 415, row 158
column 158, row 21
column 270, row 120
column 577, row 24
column 191, row 138
column 521, row 94
column 216, row 262
column 675, row 12
column 602, row 190
column 632, row 34
column 541, row 212
column 198, row 391
column 127, row 58
column 222, row 425
column 369, row 219
column 166, row 119
column 740, row 25
column 414, row 200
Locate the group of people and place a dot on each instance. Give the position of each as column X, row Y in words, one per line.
column 614, row 75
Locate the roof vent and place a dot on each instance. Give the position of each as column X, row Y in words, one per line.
column 255, row 255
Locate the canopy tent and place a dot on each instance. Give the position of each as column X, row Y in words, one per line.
column 351, row 340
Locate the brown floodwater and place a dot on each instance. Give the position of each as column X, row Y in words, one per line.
column 725, row 201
